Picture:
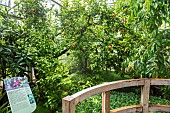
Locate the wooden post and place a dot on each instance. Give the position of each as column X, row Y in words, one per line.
column 106, row 102
column 145, row 91
column 68, row 105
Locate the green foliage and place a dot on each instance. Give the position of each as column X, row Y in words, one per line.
column 117, row 100
column 104, row 37
column 33, row 13
column 98, row 36
column 13, row 58
column 152, row 50
column 53, row 88
column 4, row 108
column 126, row 38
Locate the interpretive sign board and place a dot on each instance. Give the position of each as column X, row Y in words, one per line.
column 6, row 2
column 20, row 96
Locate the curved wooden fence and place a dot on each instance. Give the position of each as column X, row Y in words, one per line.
column 69, row 103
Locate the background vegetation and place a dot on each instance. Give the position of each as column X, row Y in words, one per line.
column 84, row 43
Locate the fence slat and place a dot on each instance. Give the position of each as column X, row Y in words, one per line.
column 128, row 109
column 68, row 105
column 160, row 81
column 164, row 108
column 145, row 91
column 106, row 102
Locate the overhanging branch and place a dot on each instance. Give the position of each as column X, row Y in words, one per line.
column 63, row 52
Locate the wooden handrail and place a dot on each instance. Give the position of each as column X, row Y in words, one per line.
column 69, row 103
column 128, row 109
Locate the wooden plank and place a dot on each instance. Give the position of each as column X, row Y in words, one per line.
column 128, row 109
column 163, row 108
column 72, row 107
column 65, row 106
column 68, row 105
column 160, row 81
column 145, row 91
column 106, row 102
column 86, row 93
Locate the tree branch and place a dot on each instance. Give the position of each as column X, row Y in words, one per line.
column 63, row 52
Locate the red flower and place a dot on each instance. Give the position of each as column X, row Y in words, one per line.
column 73, row 45
column 110, row 47
column 124, row 20
column 121, row 30
column 113, row 15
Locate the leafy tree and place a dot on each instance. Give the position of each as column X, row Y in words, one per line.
column 152, row 50
column 126, row 37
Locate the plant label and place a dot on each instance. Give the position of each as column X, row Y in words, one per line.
column 20, row 96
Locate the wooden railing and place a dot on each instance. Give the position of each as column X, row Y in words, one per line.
column 69, row 103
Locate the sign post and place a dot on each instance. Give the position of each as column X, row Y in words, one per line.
column 20, row 96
